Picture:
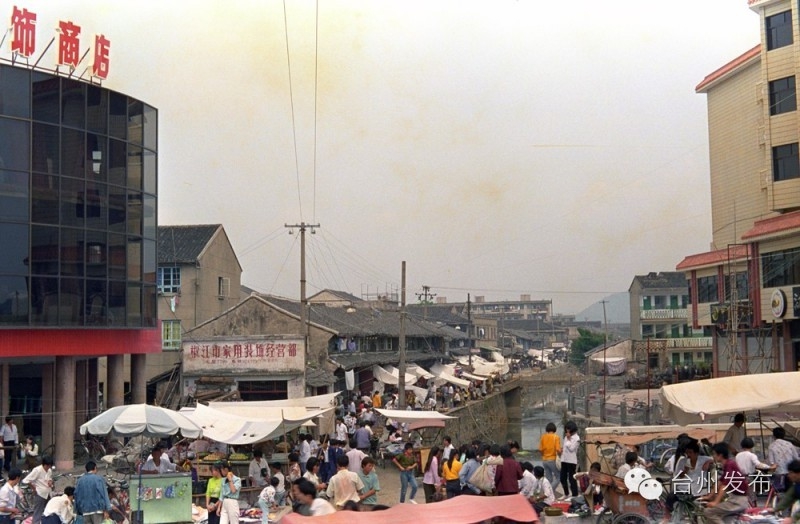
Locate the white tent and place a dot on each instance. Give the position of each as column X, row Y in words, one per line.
column 393, row 379
column 401, row 415
column 411, row 378
column 694, row 402
column 418, row 371
column 237, row 430
column 315, row 403
column 445, row 374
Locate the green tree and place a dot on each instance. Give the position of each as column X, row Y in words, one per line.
column 587, row 340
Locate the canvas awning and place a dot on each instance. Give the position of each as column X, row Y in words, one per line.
column 444, row 374
column 696, row 401
column 418, row 371
column 470, row 376
column 317, row 402
column 392, row 379
column 403, row 415
column 238, row 430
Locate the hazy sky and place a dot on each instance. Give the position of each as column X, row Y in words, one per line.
column 499, row 147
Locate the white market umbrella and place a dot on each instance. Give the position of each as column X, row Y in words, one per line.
column 141, row 419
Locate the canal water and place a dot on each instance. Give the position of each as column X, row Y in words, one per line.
column 541, row 405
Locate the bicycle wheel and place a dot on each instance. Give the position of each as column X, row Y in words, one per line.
column 95, row 449
column 606, row 517
column 49, row 451
column 631, row 518
column 79, row 452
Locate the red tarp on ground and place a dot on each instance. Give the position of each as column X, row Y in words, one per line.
column 459, row 510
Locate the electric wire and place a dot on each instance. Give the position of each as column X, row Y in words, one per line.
column 316, row 83
column 291, row 102
column 283, row 266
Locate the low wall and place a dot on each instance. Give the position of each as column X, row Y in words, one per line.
column 494, row 419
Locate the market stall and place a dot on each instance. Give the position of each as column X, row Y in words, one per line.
column 171, row 494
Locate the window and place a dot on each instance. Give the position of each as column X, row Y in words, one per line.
column 781, row 268
column 660, row 302
column 707, row 289
column 171, row 335
column 785, row 162
column 742, row 286
column 647, row 330
column 169, row 280
column 782, row 96
column 224, row 285
column 779, row 30
column 263, row 390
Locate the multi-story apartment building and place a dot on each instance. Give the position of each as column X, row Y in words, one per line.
column 747, row 288
column 660, row 319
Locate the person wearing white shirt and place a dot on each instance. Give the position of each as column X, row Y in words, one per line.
column 569, row 459
column 9, row 438
column 691, row 472
column 158, row 463
column 254, row 471
column 539, row 491
column 61, row 509
column 341, row 430
column 8, row 497
column 527, row 481
column 448, row 448
column 748, row 463
column 41, row 478
column 305, row 451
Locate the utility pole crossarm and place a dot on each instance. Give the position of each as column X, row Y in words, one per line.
column 302, row 226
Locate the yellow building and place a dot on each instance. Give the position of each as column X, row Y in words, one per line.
column 747, row 288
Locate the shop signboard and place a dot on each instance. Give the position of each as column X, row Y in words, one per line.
column 234, row 354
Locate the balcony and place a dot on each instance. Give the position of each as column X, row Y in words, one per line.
column 664, row 314
column 683, row 343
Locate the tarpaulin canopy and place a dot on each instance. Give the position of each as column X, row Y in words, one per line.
column 141, row 419
column 396, row 372
column 457, row 510
column 234, row 429
column 640, row 438
column 470, row 376
column 402, row 415
column 696, row 401
column 386, row 377
column 317, row 402
column 444, row 374
column 246, row 410
column 418, row 371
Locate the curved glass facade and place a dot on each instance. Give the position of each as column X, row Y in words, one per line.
column 77, row 204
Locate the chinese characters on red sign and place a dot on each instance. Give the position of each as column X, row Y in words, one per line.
column 23, row 42
column 242, row 354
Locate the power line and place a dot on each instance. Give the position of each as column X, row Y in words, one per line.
column 291, row 102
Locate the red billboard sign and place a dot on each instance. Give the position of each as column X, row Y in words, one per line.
column 23, row 43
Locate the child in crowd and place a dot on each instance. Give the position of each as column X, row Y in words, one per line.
column 591, row 491
column 267, row 499
column 280, row 489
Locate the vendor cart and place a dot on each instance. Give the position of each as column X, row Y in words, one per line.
column 623, row 507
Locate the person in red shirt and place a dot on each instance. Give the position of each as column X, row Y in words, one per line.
column 731, row 482
column 508, row 474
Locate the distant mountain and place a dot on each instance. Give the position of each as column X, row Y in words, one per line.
column 618, row 310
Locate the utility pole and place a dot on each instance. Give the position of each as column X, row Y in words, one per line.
column 426, row 297
column 605, row 369
column 469, row 328
column 401, row 365
column 302, row 226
